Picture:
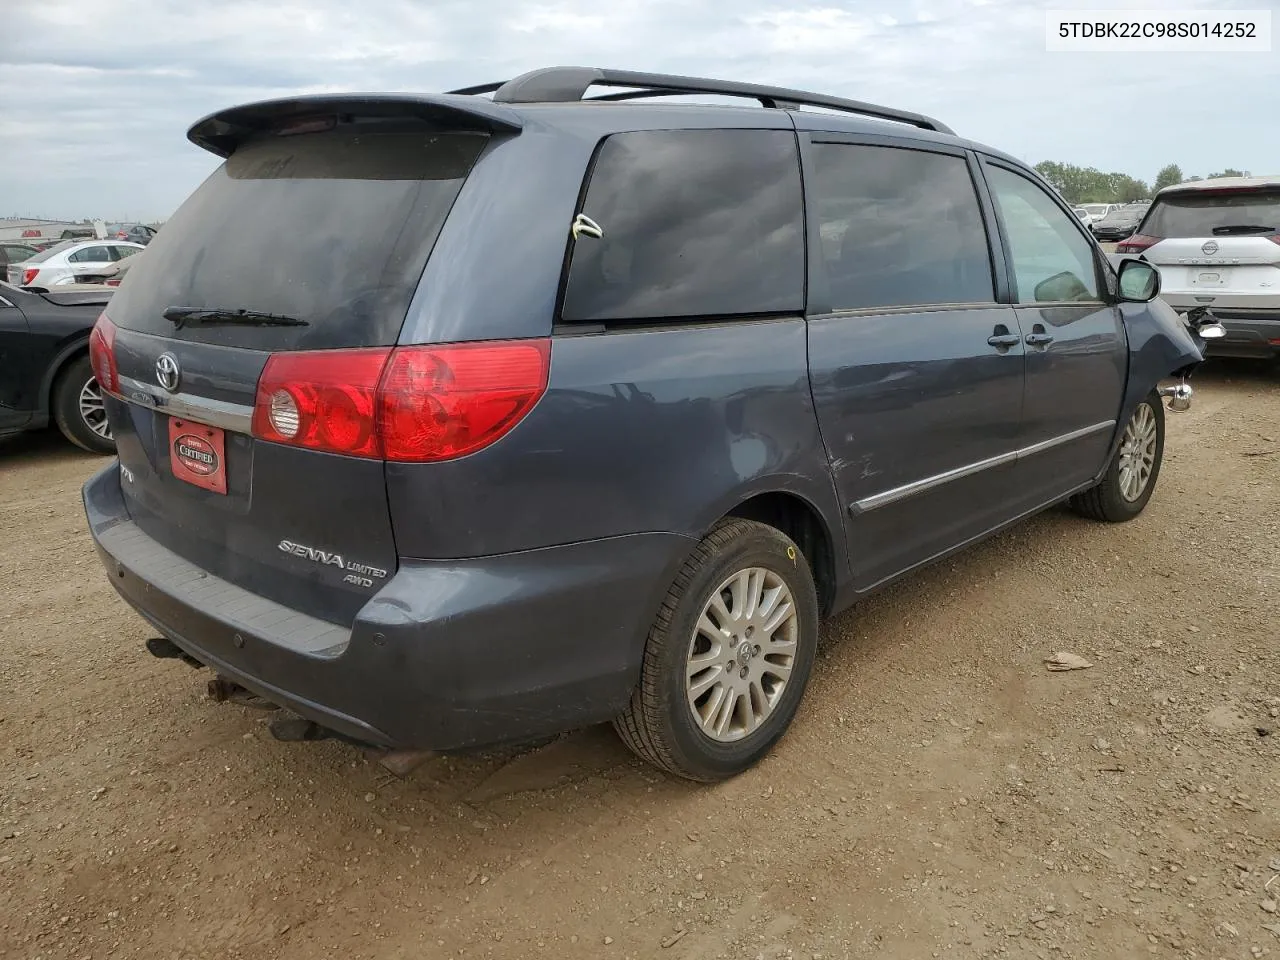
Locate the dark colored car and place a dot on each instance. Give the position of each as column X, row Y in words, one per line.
column 15, row 251
column 45, row 376
column 446, row 421
column 136, row 232
column 1119, row 224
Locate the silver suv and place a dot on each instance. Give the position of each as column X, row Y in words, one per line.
column 1216, row 244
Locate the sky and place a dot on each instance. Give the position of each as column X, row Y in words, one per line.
column 95, row 100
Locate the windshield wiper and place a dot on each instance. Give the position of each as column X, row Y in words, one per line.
column 1234, row 228
column 199, row 316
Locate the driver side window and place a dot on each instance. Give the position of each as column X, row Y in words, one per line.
column 1052, row 261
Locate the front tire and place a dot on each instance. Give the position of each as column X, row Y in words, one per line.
column 78, row 409
column 729, row 656
column 1134, row 468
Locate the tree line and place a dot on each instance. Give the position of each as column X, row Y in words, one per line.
column 1091, row 185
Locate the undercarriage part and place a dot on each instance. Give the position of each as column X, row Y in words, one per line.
column 402, row 762
column 291, row 728
column 165, row 649
column 222, row 690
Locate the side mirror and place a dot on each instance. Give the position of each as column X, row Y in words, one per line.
column 1139, row 281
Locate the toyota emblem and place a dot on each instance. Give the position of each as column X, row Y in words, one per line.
column 167, row 373
column 1210, row 248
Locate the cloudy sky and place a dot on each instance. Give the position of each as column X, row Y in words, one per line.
column 95, row 98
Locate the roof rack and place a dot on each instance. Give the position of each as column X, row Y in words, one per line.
column 569, row 84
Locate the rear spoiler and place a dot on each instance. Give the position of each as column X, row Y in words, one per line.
column 220, row 133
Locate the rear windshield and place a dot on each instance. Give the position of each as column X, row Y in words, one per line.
column 329, row 228
column 56, row 249
column 1197, row 214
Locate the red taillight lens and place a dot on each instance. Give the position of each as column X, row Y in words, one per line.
column 29, row 276
column 437, row 403
column 411, row 404
column 112, row 283
column 1274, row 239
column 1136, row 244
column 322, row 400
column 102, row 354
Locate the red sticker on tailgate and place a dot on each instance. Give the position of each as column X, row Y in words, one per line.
column 197, row 454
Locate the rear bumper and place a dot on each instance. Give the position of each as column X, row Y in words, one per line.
column 1251, row 334
column 448, row 655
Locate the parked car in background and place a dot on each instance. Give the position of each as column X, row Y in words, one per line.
column 15, row 251
column 60, row 263
column 1097, row 211
column 1081, row 214
column 45, row 375
column 702, row 409
column 107, row 275
column 1217, row 244
column 1119, row 223
column 138, row 233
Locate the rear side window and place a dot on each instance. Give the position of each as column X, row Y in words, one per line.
column 1208, row 214
column 91, row 255
column 332, row 228
column 899, row 227
column 695, row 223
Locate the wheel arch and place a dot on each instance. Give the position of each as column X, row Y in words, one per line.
column 802, row 521
column 68, row 354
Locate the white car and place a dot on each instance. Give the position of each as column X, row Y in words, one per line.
column 1097, row 211
column 61, row 263
column 1216, row 244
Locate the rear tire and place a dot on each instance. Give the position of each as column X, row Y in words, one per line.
column 728, row 657
column 1134, row 468
column 78, row 409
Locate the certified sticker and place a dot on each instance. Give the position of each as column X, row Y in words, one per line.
column 196, row 454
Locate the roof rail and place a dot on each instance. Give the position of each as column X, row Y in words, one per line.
column 569, row 84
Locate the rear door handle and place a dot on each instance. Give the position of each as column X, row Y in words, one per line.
column 1038, row 339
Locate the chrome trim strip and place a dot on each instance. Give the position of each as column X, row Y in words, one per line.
column 236, row 417
column 928, row 483
column 1052, row 442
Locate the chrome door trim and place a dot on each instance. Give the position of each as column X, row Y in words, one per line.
column 928, row 483
column 1052, row 442
column 236, row 417
column 895, row 494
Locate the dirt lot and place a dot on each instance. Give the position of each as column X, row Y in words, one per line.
column 942, row 794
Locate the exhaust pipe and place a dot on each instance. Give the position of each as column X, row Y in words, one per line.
column 1179, row 396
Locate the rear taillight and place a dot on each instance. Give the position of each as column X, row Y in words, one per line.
column 112, row 283
column 409, row 404
column 1136, row 244
column 322, row 400
column 1274, row 238
column 29, row 276
column 102, row 354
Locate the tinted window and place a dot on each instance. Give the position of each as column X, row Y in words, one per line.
column 695, row 223
column 1199, row 214
column 333, row 228
column 899, row 227
column 1052, row 260
column 90, row 255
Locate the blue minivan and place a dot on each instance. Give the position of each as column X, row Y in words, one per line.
column 452, row 420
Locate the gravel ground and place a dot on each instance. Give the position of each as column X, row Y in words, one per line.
column 941, row 794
